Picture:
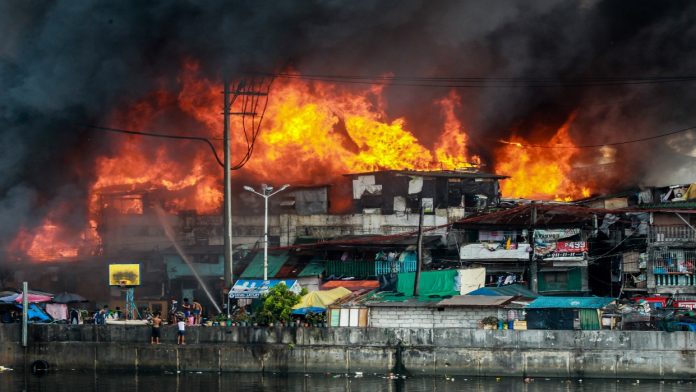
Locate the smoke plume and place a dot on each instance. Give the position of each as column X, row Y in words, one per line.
column 70, row 63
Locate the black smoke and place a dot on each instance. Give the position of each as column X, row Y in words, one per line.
column 68, row 63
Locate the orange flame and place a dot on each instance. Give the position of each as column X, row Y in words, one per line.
column 313, row 132
column 50, row 242
column 451, row 150
column 539, row 172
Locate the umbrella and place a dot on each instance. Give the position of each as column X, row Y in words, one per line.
column 66, row 298
column 9, row 299
column 33, row 298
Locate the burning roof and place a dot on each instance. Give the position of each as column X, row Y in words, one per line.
column 452, row 83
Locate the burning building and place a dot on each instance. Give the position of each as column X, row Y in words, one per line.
column 101, row 129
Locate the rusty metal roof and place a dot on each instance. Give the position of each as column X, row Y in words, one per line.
column 476, row 301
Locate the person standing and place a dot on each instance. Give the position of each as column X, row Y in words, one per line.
column 172, row 311
column 181, row 335
column 74, row 316
column 197, row 311
column 188, row 312
column 156, row 324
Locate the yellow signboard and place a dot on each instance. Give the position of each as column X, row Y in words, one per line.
column 124, row 274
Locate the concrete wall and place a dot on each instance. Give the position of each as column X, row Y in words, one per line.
column 451, row 351
column 422, row 317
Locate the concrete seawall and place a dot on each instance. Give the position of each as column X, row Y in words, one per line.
column 451, row 351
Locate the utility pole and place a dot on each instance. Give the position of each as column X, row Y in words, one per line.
column 227, row 218
column 419, row 251
column 25, row 314
column 243, row 89
column 533, row 265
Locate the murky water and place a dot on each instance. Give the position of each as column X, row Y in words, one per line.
column 233, row 382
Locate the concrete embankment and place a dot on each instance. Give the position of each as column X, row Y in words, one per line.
column 450, row 351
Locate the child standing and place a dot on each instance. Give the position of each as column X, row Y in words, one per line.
column 182, row 331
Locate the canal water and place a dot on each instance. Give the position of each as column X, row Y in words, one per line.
column 235, row 382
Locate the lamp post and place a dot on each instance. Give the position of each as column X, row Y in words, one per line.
column 266, row 193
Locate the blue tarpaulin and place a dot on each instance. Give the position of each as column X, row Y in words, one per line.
column 35, row 313
column 313, row 309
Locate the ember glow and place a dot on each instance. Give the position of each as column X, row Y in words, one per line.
column 312, row 132
column 539, row 172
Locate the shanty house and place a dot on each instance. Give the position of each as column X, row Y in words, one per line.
column 566, row 312
column 545, row 245
column 452, row 192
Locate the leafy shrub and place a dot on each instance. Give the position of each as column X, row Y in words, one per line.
column 277, row 305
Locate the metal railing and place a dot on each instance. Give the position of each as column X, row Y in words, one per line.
column 386, row 267
column 671, row 233
column 361, row 269
column 673, row 267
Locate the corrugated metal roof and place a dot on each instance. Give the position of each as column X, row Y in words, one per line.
column 352, row 285
column 409, row 303
column 475, row 301
column 434, row 173
column 512, row 290
column 255, row 268
column 314, row 268
column 570, row 303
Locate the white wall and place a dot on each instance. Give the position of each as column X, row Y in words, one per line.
column 422, row 317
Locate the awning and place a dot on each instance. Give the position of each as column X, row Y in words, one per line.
column 245, row 288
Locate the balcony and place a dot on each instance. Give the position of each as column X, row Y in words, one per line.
column 671, row 234
column 673, row 270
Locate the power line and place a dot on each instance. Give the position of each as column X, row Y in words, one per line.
column 670, row 133
column 483, row 82
column 160, row 135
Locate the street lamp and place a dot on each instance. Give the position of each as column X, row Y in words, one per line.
column 266, row 193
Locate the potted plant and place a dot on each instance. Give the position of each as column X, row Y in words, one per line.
column 223, row 320
column 490, row 322
column 241, row 317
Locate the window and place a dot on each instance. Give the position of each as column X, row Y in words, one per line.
column 556, row 277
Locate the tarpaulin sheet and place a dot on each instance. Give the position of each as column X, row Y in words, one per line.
column 322, row 299
column 432, row 283
column 35, row 313
column 57, row 311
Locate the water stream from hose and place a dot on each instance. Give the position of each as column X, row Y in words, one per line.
column 169, row 232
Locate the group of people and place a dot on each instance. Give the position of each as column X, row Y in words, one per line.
column 157, row 328
column 103, row 314
column 190, row 312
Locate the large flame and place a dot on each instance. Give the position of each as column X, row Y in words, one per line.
column 542, row 171
column 312, row 132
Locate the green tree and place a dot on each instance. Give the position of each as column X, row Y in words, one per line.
column 277, row 305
